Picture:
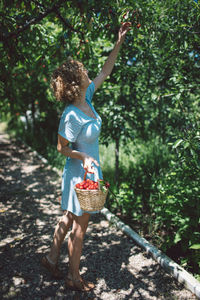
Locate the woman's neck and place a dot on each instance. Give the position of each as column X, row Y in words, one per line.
column 81, row 99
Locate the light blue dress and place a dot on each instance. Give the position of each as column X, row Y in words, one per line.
column 83, row 132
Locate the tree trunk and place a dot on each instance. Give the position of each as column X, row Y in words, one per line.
column 33, row 116
column 117, row 162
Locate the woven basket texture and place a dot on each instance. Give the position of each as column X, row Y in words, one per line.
column 91, row 200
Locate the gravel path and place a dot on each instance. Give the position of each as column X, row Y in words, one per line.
column 29, row 211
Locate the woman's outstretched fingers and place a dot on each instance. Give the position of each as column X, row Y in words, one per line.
column 88, row 164
column 91, row 168
column 123, row 30
column 95, row 162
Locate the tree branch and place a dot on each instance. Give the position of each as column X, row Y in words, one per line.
column 35, row 20
column 64, row 21
column 67, row 24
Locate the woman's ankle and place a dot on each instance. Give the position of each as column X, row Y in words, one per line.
column 52, row 259
column 74, row 276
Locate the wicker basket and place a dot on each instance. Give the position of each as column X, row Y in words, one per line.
column 91, row 200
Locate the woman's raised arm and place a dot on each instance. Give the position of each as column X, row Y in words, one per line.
column 109, row 64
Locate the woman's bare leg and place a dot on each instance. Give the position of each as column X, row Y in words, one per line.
column 59, row 235
column 75, row 244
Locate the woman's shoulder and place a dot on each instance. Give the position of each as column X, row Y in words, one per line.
column 68, row 110
column 70, row 114
column 90, row 91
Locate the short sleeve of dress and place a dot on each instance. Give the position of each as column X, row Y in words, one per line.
column 69, row 126
column 90, row 92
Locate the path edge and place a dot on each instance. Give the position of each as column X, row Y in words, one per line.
column 180, row 274
column 170, row 266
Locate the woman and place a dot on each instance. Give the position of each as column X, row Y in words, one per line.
column 80, row 124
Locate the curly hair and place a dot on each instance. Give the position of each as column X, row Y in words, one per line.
column 66, row 81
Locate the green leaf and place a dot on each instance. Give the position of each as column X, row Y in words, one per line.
column 177, row 143
column 186, row 145
column 177, row 238
column 37, row 58
column 195, row 247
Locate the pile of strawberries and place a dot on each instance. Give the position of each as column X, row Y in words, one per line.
column 89, row 184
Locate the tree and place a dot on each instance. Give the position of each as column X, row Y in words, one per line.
column 152, row 95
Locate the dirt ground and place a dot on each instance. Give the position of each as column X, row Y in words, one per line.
column 29, row 211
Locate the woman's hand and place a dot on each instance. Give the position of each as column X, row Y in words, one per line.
column 87, row 163
column 123, row 31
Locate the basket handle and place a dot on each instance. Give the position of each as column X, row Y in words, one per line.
column 84, row 178
column 95, row 173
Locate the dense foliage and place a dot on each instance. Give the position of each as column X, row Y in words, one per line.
column 150, row 105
